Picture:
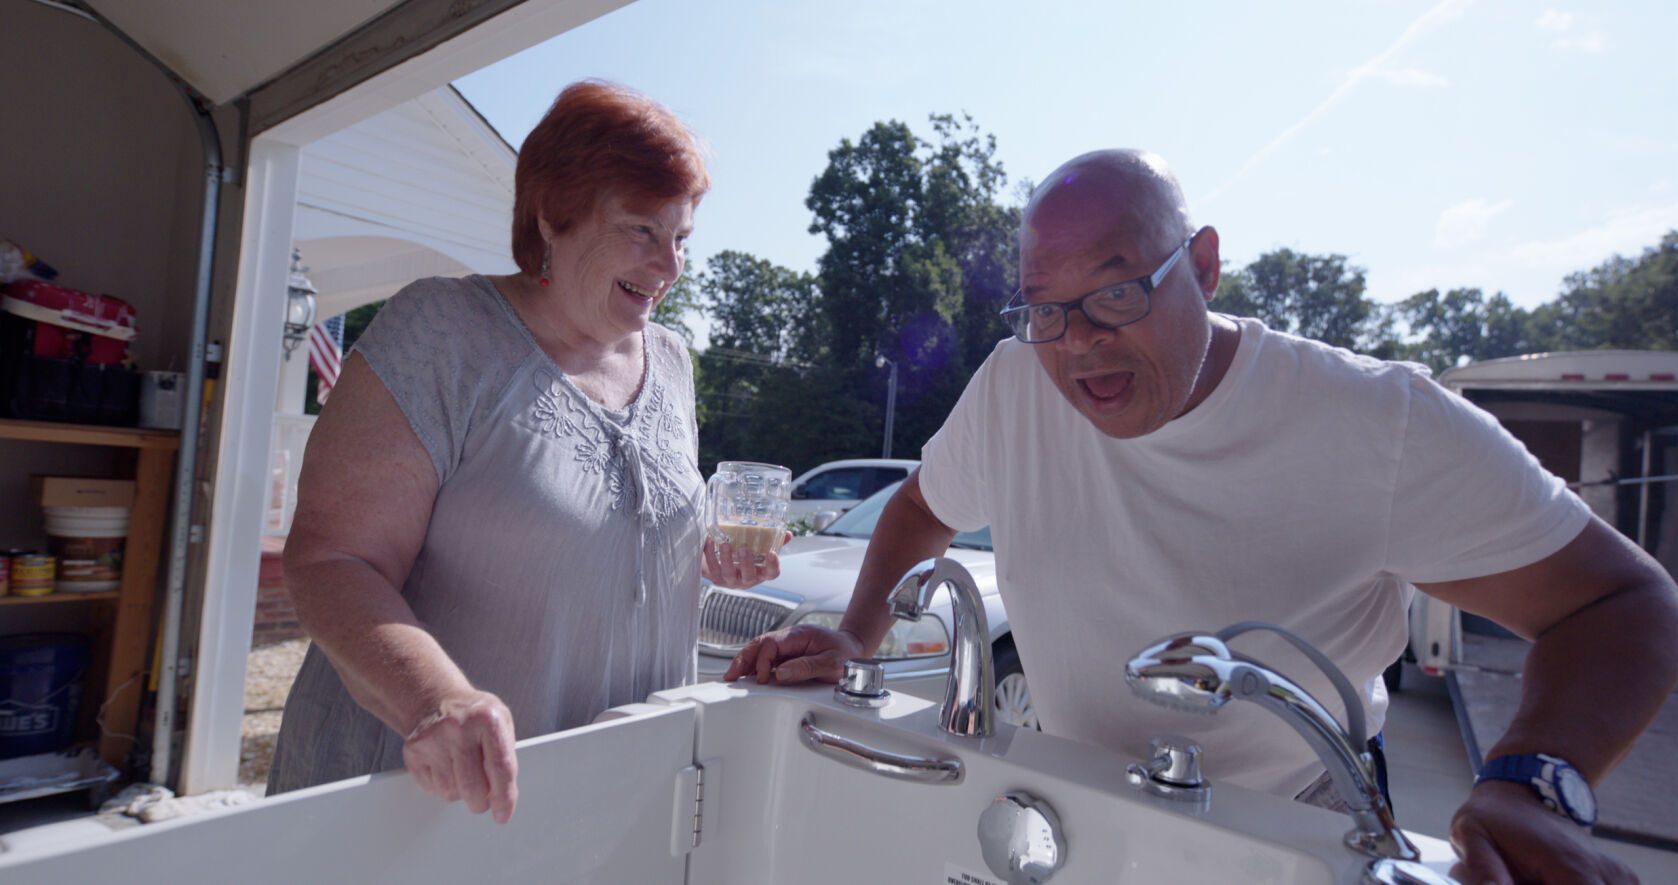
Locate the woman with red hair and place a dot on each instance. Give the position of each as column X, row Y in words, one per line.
column 498, row 532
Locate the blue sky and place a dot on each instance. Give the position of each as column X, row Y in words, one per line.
column 1488, row 143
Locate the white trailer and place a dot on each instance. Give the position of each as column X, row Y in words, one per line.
column 1606, row 421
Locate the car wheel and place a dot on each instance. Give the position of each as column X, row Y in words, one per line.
column 1013, row 695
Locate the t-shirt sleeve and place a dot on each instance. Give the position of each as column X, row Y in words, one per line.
column 952, row 473
column 420, row 345
column 1469, row 499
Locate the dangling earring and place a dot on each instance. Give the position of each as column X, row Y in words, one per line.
column 547, row 262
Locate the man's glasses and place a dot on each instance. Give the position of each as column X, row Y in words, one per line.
column 1106, row 308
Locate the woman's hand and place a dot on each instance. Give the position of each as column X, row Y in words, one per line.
column 463, row 750
column 734, row 569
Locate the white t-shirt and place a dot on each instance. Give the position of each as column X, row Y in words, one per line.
column 1308, row 490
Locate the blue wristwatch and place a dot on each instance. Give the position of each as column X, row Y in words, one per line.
column 1558, row 784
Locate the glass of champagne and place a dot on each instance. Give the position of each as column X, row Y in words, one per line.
column 746, row 505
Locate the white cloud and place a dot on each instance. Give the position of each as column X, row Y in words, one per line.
column 1442, row 13
column 1466, row 222
column 1627, row 232
column 1561, row 23
column 1413, row 77
column 1530, row 273
column 1595, row 41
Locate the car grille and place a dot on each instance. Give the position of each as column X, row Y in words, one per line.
column 729, row 619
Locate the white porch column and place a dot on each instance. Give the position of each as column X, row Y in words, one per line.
column 293, row 388
column 211, row 757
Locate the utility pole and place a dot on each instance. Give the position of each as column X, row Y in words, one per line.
column 891, row 401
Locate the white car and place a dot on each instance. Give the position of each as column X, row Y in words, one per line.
column 819, row 571
column 838, row 486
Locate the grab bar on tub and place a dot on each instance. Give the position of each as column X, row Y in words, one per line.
column 919, row 769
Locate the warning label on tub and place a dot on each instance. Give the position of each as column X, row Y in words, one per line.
column 954, row 875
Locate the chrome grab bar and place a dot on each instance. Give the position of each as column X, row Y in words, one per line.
column 919, row 769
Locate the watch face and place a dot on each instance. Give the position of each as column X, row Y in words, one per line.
column 1576, row 795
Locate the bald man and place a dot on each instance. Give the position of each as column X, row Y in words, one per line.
column 1148, row 467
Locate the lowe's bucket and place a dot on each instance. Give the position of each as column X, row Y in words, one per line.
column 40, row 691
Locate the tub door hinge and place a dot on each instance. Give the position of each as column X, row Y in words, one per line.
column 688, row 813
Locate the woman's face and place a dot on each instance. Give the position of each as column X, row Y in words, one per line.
column 613, row 267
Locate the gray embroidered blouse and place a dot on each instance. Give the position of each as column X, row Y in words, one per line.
column 560, row 569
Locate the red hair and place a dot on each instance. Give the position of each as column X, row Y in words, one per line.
column 597, row 138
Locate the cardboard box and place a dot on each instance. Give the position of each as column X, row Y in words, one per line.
column 77, row 491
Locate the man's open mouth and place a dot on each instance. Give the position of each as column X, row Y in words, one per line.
column 1106, row 388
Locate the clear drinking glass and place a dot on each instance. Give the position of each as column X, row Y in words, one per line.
column 746, row 505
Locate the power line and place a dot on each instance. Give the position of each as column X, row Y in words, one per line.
column 746, row 356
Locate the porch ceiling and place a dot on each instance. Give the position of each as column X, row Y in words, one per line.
column 224, row 48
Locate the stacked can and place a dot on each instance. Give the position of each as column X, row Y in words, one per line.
column 32, row 573
column 8, row 557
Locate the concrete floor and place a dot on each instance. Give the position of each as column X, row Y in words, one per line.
column 1429, row 773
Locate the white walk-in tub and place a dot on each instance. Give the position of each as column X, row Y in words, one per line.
column 625, row 800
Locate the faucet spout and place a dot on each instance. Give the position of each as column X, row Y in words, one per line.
column 1199, row 673
column 970, row 693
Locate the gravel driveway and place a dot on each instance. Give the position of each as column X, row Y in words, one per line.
column 268, row 679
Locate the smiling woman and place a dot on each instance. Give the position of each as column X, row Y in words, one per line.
column 497, row 531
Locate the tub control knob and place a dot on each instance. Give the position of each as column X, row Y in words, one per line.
column 864, row 684
column 1021, row 839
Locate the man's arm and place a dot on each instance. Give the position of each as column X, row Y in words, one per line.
column 906, row 534
column 1603, row 616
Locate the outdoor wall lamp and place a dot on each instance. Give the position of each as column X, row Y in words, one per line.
column 299, row 305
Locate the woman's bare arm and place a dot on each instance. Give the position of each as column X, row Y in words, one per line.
column 364, row 502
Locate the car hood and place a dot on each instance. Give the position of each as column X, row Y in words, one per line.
column 821, row 570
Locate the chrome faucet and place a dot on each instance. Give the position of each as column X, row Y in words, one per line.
column 1198, row 673
column 970, row 693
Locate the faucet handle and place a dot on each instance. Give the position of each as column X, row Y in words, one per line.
column 1173, row 771
column 1181, row 758
column 863, row 685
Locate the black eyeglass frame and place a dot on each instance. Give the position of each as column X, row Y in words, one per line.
column 1017, row 308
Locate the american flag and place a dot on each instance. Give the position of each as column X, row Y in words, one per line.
column 326, row 355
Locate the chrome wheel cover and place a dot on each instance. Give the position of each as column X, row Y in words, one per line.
column 1013, row 702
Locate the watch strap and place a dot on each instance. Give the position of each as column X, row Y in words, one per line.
column 1540, row 772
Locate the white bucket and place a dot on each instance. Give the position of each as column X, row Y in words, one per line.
column 88, row 542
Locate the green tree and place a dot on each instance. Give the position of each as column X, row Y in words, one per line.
column 1314, row 296
column 920, row 259
column 1629, row 303
column 877, row 268
column 965, row 212
column 678, row 305
column 1460, row 326
column 764, row 326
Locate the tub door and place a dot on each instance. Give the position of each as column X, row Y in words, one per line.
column 596, row 804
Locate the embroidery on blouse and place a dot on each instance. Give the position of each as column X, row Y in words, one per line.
column 558, row 415
column 601, row 448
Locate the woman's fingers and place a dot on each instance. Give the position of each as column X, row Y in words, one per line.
column 465, row 751
column 501, row 765
column 728, row 566
column 469, row 777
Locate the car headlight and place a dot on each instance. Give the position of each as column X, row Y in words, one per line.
column 908, row 639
